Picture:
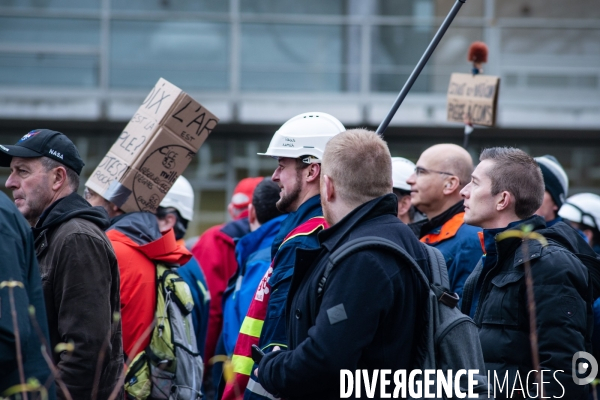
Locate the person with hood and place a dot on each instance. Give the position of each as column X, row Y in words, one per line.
column 253, row 252
column 215, row 251
column 139, row 244
column 494, row 294
column 20, row 268
column 175, row 211
column 80, row 275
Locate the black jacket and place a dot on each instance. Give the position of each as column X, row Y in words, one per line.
column 20, row 265
column 563, row 301
column 382, row 303
column 80, row 278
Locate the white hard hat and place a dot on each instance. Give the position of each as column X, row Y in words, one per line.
column 181, row 198
column 401, row 170
column 304, row 135
column 583, row 208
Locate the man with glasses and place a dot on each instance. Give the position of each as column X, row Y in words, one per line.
column 440, row 174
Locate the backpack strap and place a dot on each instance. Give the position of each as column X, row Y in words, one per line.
column 375, row 242
column 437, row 264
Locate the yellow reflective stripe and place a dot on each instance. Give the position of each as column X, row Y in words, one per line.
column 242, row 365
column 252, row 327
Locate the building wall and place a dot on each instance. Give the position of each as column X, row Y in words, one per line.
column 84, row 66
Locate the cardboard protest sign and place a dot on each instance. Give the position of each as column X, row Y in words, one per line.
column 155, row 147
column 473, row 98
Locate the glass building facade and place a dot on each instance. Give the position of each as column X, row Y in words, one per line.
column 84, row 66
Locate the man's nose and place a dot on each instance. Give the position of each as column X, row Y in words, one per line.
column 11, row 182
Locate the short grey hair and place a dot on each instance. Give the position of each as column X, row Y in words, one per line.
column 72, row 177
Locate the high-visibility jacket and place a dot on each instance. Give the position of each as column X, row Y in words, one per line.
column 264, row 324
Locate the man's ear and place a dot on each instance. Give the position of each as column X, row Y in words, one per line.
column 251, row 214
column 404, row 205
column 504, row 201
column 328, row 188
column 59, row 178
column 451, row 184
column 313, row 172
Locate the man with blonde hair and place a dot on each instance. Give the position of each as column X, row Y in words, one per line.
column 368, row 314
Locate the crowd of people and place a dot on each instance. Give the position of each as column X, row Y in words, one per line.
column 78, row 281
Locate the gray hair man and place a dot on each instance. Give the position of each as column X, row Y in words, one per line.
column 80, row 275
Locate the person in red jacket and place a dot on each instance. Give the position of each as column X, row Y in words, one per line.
column 215, row 252
column 138, row 243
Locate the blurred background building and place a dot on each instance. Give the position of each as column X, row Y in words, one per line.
column 84, row 66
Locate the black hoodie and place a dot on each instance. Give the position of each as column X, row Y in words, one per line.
column 80, row 279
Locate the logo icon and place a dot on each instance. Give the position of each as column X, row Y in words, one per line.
column 28, row 135
column 584, row 363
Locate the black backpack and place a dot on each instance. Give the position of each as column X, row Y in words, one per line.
column 450, row 339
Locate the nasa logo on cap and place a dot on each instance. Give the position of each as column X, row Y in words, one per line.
column 28, row 135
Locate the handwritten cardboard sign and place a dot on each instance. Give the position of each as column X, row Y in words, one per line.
column 155, row 147
column 473, row 98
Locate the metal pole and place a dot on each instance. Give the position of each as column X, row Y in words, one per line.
column 420, row 65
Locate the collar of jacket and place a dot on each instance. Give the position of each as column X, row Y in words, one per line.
column 307, row 210
column 504, row 247
column 436, row 222
column 253, row 241
column 237, row 228
column 387, row 204
column 69, row 207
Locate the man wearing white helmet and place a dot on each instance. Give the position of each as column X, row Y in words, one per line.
column 175, row 212
column 401, row 170
column 298, row 147
column 582, row 211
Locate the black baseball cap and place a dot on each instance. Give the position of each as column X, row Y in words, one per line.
column 43, row 143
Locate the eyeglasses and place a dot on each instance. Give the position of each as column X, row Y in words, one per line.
column 420, row 171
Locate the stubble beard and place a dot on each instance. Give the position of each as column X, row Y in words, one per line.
column 286, row 202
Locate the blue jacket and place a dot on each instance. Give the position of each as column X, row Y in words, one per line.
column 19, row 264
column 253, row 254
column 378, row 301
column 457, row 241
column 194, row 277
column 274, row 328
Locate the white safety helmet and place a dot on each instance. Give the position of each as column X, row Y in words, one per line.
column 181, row 198
column 304, row 135
column 583, row 208
column 402, row 169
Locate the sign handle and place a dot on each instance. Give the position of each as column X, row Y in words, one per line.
column 420, row 65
